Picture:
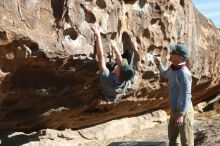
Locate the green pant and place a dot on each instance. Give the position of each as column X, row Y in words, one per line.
column 182, row 133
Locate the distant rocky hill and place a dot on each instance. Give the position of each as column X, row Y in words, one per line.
column 48, row 66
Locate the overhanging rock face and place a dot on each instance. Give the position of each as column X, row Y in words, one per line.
column 48, row 66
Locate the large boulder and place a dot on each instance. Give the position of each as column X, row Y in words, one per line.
column 48, row 68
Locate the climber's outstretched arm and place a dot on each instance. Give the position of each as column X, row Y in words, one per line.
column 117, row 53
column 99, row 48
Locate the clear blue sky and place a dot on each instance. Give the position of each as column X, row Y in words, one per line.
column 210, row 9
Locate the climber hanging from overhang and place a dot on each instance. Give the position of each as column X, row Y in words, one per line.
column 113, row 84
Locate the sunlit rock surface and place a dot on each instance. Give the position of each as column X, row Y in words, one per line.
column 48, row 67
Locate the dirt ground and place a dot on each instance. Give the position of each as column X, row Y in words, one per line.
column 206, row 131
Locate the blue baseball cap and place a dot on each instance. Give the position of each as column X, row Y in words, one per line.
column 181, row 50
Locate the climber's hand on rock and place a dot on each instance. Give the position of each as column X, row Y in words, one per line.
column 96, row 30
column 113, row 45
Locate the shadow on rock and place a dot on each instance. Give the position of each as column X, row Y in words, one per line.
column 17, row 138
